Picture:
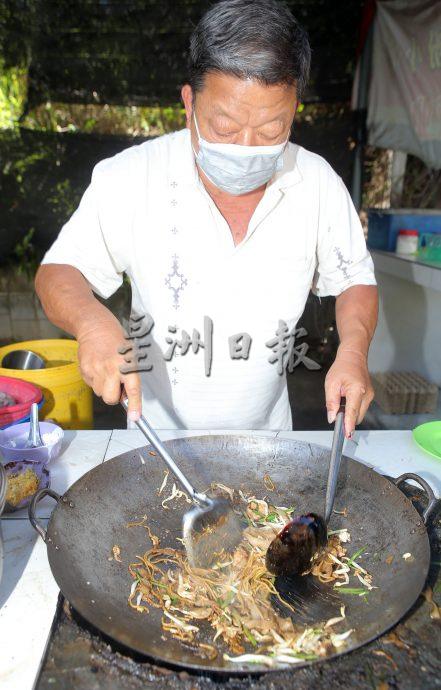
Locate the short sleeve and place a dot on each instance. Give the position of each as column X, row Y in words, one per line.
column 89, row 240
column 342, row 257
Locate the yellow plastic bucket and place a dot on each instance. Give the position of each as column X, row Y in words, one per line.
column 67, row 399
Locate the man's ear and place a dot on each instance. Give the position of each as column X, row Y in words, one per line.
column 187, row 98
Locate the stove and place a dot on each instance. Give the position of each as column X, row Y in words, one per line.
column 408, row 657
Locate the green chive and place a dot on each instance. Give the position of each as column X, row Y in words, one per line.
column 337, row 531
column 249, row 635
column 353, row 590
column 356, row 554
column 223, row 603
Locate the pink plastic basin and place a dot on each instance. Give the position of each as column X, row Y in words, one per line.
column 24, row 393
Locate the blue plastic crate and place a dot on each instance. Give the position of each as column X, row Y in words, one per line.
column 385, row 223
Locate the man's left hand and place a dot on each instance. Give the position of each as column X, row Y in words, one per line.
column 348, row 377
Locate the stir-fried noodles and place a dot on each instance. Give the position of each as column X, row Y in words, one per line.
column 237, row 595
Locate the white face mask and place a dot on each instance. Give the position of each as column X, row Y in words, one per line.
column 238, row 169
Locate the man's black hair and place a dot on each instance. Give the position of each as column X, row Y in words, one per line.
column 250, row 39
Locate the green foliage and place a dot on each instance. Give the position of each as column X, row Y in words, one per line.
column 26, row 257
column 39, row 192
column 20, row 167
column 17, row 23
column 63, row 199
column 105, row 119
column 13, row 85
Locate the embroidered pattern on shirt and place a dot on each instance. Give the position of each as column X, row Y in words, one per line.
column 175, row 281
column 174, row 369
column 342, row 262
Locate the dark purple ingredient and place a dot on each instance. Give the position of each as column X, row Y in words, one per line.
column 291, row 550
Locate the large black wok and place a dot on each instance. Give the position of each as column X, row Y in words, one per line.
column 92, row 517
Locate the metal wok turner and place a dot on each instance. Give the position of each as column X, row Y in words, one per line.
column 211, row 526
column 291, row 551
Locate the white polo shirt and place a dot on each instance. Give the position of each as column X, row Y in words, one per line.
column 147, row 214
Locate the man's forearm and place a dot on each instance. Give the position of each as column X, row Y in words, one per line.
column 68, row 300
column 356, row 312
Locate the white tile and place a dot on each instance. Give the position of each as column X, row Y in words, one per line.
column 28, row 596
column 422, row 275
column 435, row 281
column 394, row 453
column 408, row 268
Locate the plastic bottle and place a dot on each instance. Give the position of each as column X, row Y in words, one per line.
column 407, row 242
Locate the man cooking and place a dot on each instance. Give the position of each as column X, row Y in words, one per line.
column 222, row 229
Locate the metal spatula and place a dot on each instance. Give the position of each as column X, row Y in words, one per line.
column 291, row 551
column 211, row 526
column 34, row 438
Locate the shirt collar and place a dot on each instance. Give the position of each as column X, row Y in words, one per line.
column 290, row 174
column 184, row 165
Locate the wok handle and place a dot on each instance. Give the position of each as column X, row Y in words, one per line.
column 427, row 488
column 36, row 498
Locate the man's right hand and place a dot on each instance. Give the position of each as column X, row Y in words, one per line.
column 68, row 301
column 100, row 360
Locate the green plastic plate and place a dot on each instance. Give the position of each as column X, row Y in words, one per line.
column 428, row 437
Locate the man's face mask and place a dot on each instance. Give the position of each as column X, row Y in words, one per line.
column 238, row 169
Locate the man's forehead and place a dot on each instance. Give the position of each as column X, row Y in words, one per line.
column 224, row 94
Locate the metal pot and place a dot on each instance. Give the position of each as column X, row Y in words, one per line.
column 93, row 514
column 22, row 359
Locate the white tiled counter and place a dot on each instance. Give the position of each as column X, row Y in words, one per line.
column 409, row 326
column 28, row 592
